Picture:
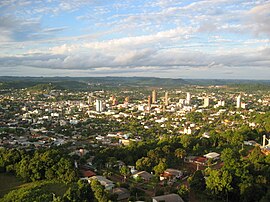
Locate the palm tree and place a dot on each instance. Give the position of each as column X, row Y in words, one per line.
column 180, row 153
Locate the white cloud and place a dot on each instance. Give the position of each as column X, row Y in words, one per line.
column 258, row 19
column 135, row 36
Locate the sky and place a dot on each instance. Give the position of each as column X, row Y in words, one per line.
column 206, row 39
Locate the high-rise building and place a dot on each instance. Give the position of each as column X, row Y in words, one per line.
column 166, row 99
column 112, row 98
column 114, row 102
column 188, row 99
column 89, row 101
column 126, row 101
column 238, row 101
column 149, row 102
column 99, row 106
column 206, row 102
column 221, row 103
column 154, row 96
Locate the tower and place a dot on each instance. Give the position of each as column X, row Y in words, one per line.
column 154, row 96
column 238, row 101
column 149, row 102
column 166, row 100
column 114, row 102
column 99, row 106
column 221, row 103
column 188, row 99
column 127, row 100
column 206, row 102
column 89, row 101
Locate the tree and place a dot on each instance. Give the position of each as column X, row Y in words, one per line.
column 160, row 168
column 218, row 183
column 183, row 192
column 180, row 153
column 197, row 182
column 187, row 141
column 144, row 163
column 86, row 193
column 256, row 155
column 124, row 170
column 230, row 158
column 99, row 191
column 22, row 169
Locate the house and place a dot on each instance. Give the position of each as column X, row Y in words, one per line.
column 250, row 143
column 108, row 184
column 143, row 175
column 196, row 159
column 88, row 173
column 200, row 160
column 212, row 155
column 168, row 198
column 189, row 159
column 122, row 193
column 132, row 169
column 171, row 174
column 206, row 135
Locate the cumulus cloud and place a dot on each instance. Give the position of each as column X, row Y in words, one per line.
column 258, row 19
column 136, row 52
column 135, row 36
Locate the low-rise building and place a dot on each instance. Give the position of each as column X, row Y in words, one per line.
column 168, row 198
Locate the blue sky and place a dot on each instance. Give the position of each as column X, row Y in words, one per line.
column 226, row 39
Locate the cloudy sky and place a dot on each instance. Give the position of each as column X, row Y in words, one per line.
column 163, row 38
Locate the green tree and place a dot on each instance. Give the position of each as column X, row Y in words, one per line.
column 230, row 158
column 183, row 192
column 144, row 163
column 197, row 181
column 160, row 168
column 218, row 183
column 124, row 170
column 99, row 191
column 256, row 155
column 80, row 191
column 180, row 153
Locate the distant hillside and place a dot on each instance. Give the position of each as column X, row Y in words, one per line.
column 225, row 81
column 84, row 83
column 93, row 83
column 42, row 87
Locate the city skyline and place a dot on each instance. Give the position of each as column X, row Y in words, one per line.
column 189, row 39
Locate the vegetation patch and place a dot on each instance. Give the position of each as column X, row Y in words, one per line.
column 8, row 183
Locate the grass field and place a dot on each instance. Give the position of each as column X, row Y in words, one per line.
column 58, row 188
column 8, row 182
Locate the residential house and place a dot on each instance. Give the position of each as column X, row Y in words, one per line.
column 168, row 198
column 212, row 155
column 145, row 176
column 122, row 193
column 171, row 174
column 108, row 184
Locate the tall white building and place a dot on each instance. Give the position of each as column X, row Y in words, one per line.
column 238, row 101
column 188, row 99
column 99, row 106
column 221, row 103
column 166, row 99
column 89, row 100
column 206, row 102
column 154, row 96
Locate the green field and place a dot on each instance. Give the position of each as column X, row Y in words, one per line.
column 10, row 182
column 58, row 188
